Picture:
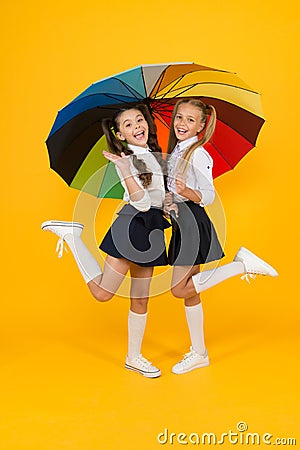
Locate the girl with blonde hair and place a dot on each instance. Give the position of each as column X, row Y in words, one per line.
column 194, row 240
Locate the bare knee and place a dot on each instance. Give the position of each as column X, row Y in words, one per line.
column 139, row 305
column 177, row 291
column 101, row 295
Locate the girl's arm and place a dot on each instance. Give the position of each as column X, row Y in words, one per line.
column 202, row 168
column 200, row 177
column 139, row 198
column 182, row 189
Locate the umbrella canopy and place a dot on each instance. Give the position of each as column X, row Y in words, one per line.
column 76, row 140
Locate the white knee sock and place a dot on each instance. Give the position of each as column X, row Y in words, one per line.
column 194, row 317
column 209, row 278
column 87, row 264
column 136, row 329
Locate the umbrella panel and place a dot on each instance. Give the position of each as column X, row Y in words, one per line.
column 97, row 176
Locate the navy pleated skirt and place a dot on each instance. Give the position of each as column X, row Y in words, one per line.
column 194, row 239
column 138, row 237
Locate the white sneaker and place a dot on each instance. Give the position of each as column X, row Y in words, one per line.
column 142, row 366
column 253, row 264
column 191, row 361
column 61, row 229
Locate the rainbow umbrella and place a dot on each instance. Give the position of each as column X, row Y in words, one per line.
column 76, row 140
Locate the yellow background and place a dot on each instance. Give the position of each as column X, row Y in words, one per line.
column 63, row 385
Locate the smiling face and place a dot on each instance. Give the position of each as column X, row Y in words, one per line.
column 188, row 121
column 133, row 128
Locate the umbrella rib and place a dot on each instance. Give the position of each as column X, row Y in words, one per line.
column 221, row 154
column 238, row 131
column 162, row 105
column 74, row 139
column 144, row 82
column 165, row 115
column 170, row 90
column 112, row 96
column 182, row 76
column 179, row 92
column 190, row 86
column 173, row 86
column 161, row 80
column 152, row 95
column 105, row 94
column 130, row 89
column 159, row 119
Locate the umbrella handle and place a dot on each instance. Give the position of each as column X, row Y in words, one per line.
column 173, row 219
column 172, row 214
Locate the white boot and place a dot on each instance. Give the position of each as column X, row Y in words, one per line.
column 253, row 264
column 70, row 232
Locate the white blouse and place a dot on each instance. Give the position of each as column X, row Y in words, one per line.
column 198, row 175
column 154, row 194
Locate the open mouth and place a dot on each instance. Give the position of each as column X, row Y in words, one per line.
column 181, row 131
column 140, row 135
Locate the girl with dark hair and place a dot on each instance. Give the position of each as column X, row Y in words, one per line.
column 194, row 239
column 135, row 241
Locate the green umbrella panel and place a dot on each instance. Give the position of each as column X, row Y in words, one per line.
column 97, row 176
